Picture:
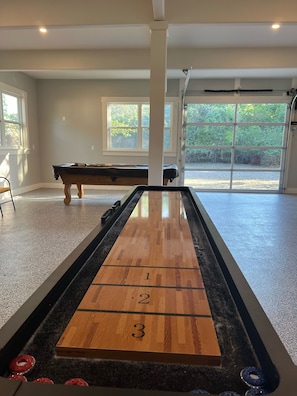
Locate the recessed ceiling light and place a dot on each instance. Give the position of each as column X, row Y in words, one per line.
column 43, row 30
column 275, row 26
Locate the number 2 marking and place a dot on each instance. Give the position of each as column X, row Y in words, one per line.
column 144, row 298
column 140, row 330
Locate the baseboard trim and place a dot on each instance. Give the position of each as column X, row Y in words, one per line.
column 32, row 187
column 291, row 191
column 22, row 190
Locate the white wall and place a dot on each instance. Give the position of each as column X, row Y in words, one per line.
column 70, row 120
column 57, row 140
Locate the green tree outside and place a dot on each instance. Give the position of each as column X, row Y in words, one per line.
column 244, row 127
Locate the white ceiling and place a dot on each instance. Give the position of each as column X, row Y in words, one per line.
column 133, row 37
column 138, row 37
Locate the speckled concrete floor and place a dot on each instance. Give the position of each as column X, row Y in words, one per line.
column 39, row 235
column 259, row 230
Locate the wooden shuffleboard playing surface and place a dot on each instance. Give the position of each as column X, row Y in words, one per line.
column 147, row 301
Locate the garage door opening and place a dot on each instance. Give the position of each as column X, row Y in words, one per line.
column 235, row 146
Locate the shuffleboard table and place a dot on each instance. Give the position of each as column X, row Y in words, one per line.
column 150, row 304
column 106, row 174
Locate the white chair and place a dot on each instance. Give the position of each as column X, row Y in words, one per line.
column 5, row 187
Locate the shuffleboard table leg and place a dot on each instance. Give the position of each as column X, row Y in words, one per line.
column 80, row 190
column 67, row 192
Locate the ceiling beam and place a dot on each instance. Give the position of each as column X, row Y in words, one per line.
column 159, row 10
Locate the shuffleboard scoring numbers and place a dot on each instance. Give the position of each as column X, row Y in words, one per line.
column 144, row 298
column 140, row 330
column 147, row 276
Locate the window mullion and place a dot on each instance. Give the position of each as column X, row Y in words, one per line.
column 139, row 129
column 21, row 118
column 2, row 125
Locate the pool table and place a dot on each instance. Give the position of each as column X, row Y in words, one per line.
column 106, row 174
column 245, row 335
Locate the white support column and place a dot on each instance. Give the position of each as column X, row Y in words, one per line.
column 158, row 84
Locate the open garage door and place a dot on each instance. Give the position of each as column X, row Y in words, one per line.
column 235, row 146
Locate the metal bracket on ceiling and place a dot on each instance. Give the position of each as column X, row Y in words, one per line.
column 187, row 72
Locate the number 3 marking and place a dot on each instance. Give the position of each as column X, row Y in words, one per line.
column 140, row 330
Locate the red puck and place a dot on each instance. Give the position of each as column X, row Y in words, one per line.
column 17, row 377
column 43, row 380
column 22, row 364
column 77, row 382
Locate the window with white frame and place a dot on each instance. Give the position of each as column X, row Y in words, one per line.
column 12, row 117
column 126, row 126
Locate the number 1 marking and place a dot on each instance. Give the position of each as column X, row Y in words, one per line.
column 147, row 276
